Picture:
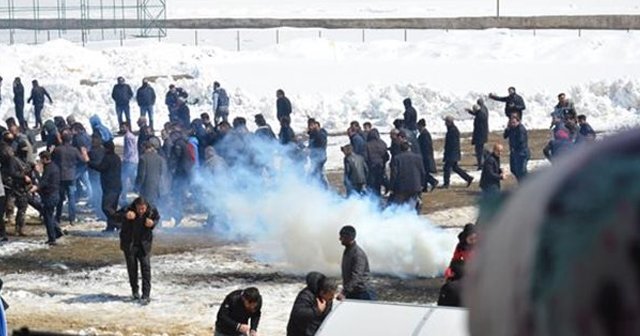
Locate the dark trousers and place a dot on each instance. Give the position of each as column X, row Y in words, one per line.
column 448, row 166
column 123, row 109
column 38, row 111
column 490, row 191
column 479, row 149
column 376, row 179
column 3, row 229
column 21, row 203
column 110, row 207
column 518, row 165
column 133, row 257
column 48, row 216
column 430, row 180
column 368, row 295
column 68, row 193
column 20, row 116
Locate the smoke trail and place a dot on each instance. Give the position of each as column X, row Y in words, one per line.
column 264, row 195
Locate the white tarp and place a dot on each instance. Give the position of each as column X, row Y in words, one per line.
column 380, row 318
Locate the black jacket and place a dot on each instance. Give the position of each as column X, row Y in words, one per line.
column 426, row 150
column 410, row 118
column 146, row 96
column 452, row 145
column 67, row 157
column 286, row 135
column 122, row 94
column 49, row 184
column 37, row 96
column 480, row 126
column 305, row 318
column 407, row 173
column 110, row 169
column 135, row 232
column 490, row 172
column 283, row 106
column 232, row 313
column 355, row 270
column 513, row 103
column 18, row 94
column 376, row 153
column 518, row 140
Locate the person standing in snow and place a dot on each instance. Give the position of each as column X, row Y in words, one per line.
column 146, row 98
column 38, row 93
column 452, row 154
column 480, row 135
column 513, row 103
column 121, row 95
column 18, row 101
column 283, row 105
column 220, row 103
column 136, row 237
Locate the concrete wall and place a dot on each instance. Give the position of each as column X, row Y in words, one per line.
column 515, row 22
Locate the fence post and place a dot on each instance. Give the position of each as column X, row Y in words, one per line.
column 405, row 35
column 363, row 37
column 237, row 40
column 195, row 37
column 277, row 36
column 579, row 32
column 320, row 33
column 121, row 38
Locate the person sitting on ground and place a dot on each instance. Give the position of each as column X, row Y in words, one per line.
column 236, row 310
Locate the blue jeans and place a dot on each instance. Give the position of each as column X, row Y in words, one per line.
column 96, row 196
column 368, row 295
column 124, row 109
column 68, row 190
column 147, row 110
column 128, row 174
column 83, row 183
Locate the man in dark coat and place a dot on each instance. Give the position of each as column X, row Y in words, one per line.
column 518, row 147
column 312, row 305
column 136, row 237
column 110, row 169
column 355, row 171
column 407, row 177
column 357, row 140
column 171, row 100
column 452, row 154
column 355, row 268
column 38, row 93
column 376, row 156
column 492, row 174
column 68, row 158
column 152, row 175
column 410, row 116
column 286, row 134
column 183, row 114
column 121, row 95
column 283, row 105
column 18, row 101
column 586, row 132
column 49, row 189
column 146, row 98
column 317, row 150
column 513, row 103
column 428, row 161
column 236, row 310
column 480, row 135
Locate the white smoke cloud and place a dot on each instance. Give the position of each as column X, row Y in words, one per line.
column 267, row 198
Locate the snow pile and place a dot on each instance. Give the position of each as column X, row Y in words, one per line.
column 337, row 82
column 14, row 247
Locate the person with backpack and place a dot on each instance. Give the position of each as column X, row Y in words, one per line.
column 220, row 103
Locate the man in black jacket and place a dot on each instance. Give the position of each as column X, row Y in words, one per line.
column 452, row 154
column 407, row 177
column 49, row 190
column 410, row 116
column 513, row 103
column 121, row 95
column 136, row 236
column 146, row 98
column 283, row 105
column 355, row 268
column 426, row 151
column 110, row 169
column 18, row 100
column 376, row 156
column 236, row 310
column 518, row 147
column 492, row 174
column 37, row 97
column 317, row 150
column 480, row 129
column 68, row 158
column 312, row 305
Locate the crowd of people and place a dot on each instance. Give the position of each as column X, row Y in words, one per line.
column 159, row 167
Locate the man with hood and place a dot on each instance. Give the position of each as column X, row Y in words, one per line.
column 121, row 95
column 312, row 305
column 99, row 129
column 146, row 98
column 376, row 156
column 38, row 93
column 410, row 116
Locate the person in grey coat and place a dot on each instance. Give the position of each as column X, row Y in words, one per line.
column 312, row 305
column 452, row 154
column 492, row 174
column 480, row 135
column 355, row 171
column 152, row 174
column 428, row 161
column 355, row 268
